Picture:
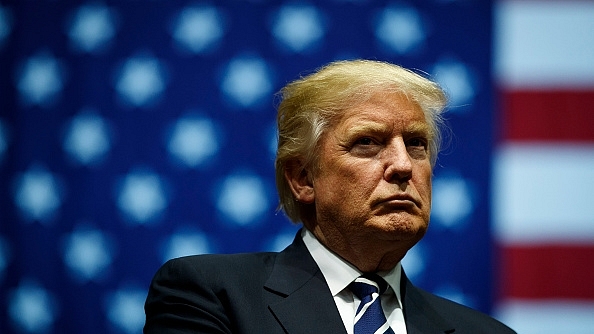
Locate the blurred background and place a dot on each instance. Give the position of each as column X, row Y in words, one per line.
column 132, row 132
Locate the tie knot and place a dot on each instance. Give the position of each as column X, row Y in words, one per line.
column 367, row 284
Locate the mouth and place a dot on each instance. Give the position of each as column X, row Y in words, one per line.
column 398, row 202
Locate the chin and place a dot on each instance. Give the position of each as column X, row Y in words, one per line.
column 406, row 229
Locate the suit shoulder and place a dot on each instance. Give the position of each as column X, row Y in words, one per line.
column 222, row 259
column 216, row 266
column 200, row 292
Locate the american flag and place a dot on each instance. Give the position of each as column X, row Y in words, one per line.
column 132, row 132
column 543, row 175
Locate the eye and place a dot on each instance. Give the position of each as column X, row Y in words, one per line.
column 417, row 147
column 417, row 142
column 365, row 147
column 365, row 141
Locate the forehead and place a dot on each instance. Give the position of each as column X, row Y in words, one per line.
column 383, row 110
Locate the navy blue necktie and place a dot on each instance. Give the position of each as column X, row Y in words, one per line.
column 370, row 317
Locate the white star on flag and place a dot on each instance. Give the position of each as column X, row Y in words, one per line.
column 458, row 81
column 87, row 139
column 246, row 81
column 298, row 27
column 452, row 201
column 93, row 26
column 40, row 80
column 32, row 308
column 415, row 261
column 198, row 28
column 400, row 29
column 125, row 309
column 37, row 194
column 87, row 253
column 193, row 140
column 141, row 80
column 142, row 197
column 242, row 198
column 183, row 243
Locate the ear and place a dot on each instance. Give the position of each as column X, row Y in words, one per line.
column 299, row 179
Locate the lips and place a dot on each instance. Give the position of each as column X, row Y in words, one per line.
column 403, row 201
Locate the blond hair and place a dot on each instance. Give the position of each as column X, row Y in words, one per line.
column 309, row 105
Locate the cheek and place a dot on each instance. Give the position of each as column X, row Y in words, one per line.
column 345, row 182
column 428, row 187
column 424, row 186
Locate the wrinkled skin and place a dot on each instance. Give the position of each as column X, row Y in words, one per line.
column 372, row 188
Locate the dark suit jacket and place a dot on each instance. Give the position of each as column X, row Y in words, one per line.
column 261, row 293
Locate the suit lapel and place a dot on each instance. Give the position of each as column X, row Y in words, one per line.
column 304, row 303
column 419, row 314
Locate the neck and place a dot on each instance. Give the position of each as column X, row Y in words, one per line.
column 367, row 255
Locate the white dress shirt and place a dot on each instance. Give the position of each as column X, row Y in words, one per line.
column 339, row 274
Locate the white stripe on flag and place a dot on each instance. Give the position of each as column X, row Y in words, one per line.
column 543, row 193
column 547, row 317
column 544, row 43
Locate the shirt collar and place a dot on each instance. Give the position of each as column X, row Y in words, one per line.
column 338, row 272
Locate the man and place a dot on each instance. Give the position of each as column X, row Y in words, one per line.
column 357, row 144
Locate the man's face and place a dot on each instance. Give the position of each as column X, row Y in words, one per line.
column 373, row 184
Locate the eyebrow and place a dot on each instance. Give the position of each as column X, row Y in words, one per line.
column 368, row 127
column 419, row 128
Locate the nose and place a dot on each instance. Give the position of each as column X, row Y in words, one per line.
column 397, row 162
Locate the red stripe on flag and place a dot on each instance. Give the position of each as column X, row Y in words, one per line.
column 549, row 115
column 548, row 271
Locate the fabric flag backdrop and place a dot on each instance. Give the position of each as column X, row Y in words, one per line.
column 132, row 132
column 543, row 175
